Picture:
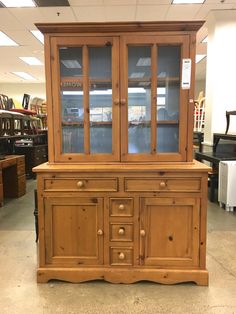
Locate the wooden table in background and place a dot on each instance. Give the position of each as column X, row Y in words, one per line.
column 12, row 177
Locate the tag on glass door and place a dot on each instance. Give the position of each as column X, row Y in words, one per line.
column 186, row 73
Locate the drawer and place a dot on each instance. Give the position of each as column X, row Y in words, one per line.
column 162, row 184
column 21, row 160
column 121, row 232
column 121, row 256
column 82, row 184
column 20, row 169
column 121, row 207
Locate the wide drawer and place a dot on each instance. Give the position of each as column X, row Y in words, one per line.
column 81, row 184
column 162, row 184
column 121, row 232
column 121, row 207
column 121, row 256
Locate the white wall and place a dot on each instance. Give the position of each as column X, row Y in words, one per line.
column 220, row 74
column 16, row 91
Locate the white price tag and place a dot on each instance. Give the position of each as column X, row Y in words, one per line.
column 186, row 73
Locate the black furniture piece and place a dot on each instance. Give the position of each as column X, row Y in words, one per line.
column 36, row 215
column 220, row 152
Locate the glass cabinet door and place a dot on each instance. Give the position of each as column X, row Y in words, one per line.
column 155, row 101
column 87, row 111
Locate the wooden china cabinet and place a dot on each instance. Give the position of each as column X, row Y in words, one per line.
column 121, row 198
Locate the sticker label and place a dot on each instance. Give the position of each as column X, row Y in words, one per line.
column 186, row 73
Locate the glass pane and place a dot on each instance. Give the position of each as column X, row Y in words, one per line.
column 168, row 138
column 139, row 99
column 72, row 109
column 168, row 94
column 100, row 100
column 70, row 61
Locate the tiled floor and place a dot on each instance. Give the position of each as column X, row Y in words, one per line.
column 19, row 292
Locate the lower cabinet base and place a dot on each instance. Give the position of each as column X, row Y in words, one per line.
column 126, row 276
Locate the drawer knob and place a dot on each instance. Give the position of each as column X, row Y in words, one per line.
column 121, row 231
column 121, row 256
column 142, row 233
column 80, row 184
column 123, row 102
column 162, row 184
column 121, row 206
column 116, row 102
column 100, row 232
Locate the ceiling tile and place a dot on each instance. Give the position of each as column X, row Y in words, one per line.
column 182, row 12
column 28, row 16
column 120, row 2
column 205, row 9
column 9, row 21
column 25, row 38
column 151, row 12
column 153, row 2
column 57, row 14
column 89, row 14
column 86, row 2
column 120, row 13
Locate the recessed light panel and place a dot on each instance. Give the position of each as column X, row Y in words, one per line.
column 31, row 60
column 188, row 1
column 6, row 41
column 24, row 75
column 38, row 35
column 71, row 64
column 18, row 3
column 143, row 62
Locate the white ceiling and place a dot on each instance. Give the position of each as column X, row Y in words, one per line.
column 17, row 23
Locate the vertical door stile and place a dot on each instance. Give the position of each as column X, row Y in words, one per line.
column 115, row 97
column 124, row 95
column 184, row 101
column 86, row 99
column 153, row 99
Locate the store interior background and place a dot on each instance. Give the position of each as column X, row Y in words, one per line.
column 17, row 23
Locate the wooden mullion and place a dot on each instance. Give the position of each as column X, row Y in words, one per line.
column 154, row 99
column 86, row 100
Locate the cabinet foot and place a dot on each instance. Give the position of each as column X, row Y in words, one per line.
column 126, row 276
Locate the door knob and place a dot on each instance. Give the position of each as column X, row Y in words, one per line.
column 142, row 233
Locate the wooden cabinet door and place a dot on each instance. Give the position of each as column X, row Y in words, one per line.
column 84, row 122
column 169, row 232
column 73, row 231
column 156, row 104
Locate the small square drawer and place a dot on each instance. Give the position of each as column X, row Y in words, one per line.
column 121, row 232
column 81, row 184
column 121, row 256
column 121, row 207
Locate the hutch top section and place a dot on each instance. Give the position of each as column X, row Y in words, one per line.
column 120, row 92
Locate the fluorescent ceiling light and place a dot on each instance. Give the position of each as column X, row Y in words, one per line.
column 18, row 3
column 71, row 64
column 136, row 90
column 131, row 90
column 38, row 35
column 205, row 40
column 199, row 58
column 31, row 60
column 188, row 1
column 137, row 74
column 161, row 90
column 6, row 41
column 24, row 75
column 143, row 62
